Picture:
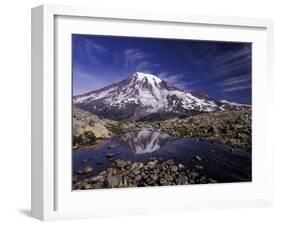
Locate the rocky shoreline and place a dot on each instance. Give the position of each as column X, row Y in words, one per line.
column 231, row 127
column 136, row 174
column 228, row 127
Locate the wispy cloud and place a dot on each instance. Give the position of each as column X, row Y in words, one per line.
column 237, row 88
column 178, row 80
column 230, row 62
column 235, row 81
column 94, row 48
column 138, row 60
column 133, row 57
column 91, row 49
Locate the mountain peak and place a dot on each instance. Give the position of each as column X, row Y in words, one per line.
column 144, row 94
column 146, row 76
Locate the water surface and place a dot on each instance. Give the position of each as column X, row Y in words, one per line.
column 218, row 160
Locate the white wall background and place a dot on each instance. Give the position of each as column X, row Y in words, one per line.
column 15, row 112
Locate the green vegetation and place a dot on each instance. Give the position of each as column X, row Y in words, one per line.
column 87, row 138
column 90, row 136
column 115, row 128
column 77, row 139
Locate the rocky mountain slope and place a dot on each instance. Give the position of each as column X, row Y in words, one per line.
column 142, row 95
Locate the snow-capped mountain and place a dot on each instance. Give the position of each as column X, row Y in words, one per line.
column 142, row 94
column 145, row 141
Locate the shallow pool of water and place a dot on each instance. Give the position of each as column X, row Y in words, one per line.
column 219, row 162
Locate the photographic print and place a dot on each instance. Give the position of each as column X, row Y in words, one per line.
column 160, row 112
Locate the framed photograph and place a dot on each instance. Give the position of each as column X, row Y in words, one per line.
column 137, row 112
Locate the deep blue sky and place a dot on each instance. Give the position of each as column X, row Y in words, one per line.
column 220, row 69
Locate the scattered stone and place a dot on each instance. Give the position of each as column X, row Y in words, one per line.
column 80, row 171
column 163, row 181
column 87, row 160
column 198, row 157
column 136, row 166
column 151, row 164
column 170, row 162
column 133, row 174
column 228, row 127
column 111, row 147
column 138, row 177
column 88, row 186
column 112, row 181
column 168, row 177
column 110, row 155
column 103, row 173
column 198, row 167
column 194, row 174
column 99, row 162
column 97, row 178
column 88, row 169
column 182, row 179
column 74, row 179
column 212, row 180
column 181, row 166
column 174, row 168
column 120, row 163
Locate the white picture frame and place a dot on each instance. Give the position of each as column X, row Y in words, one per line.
column 52, row 197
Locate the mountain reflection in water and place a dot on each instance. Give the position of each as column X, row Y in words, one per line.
column 144, row 141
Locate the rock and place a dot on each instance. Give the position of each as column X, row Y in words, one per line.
column 174, row 168
column 111, row 147
column 154, row 177
column 198, row 157
column 194, row 174
column 97, row 178
column 80, row 171
column 88, row 186
column 163, row 181
column 88, row 169
column 110, row 155
column 170, row 162
column 136, row 172
column 98, row 186
column 212, row 180
column 182, row 179
column 103, row 173
column 213, row 151
column 203, row 180
column 168, row 177
column 74, row 179
column 210, row 130
column 87, row 160
column 125, row 183
column 151, row 164
column 135, row 166
column 138, row 177
column 198, row 167
column 100, row 130
column 112, row 181
column 120, row 163
column 99, row 162
column 181, row 166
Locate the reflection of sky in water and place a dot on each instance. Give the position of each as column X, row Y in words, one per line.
column 144, row 141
